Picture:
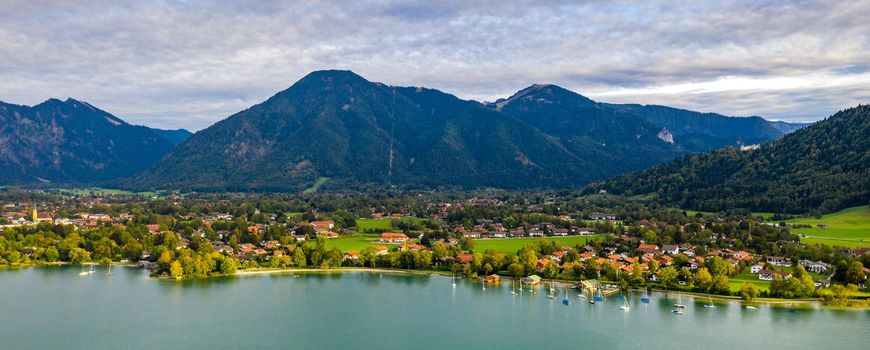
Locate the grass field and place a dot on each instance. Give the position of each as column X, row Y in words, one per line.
column 357, row 242
column 848, row 227
column 320, row 181
column 512, row 245
column 737, row 280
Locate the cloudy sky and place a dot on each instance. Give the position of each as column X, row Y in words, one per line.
column 188, row 64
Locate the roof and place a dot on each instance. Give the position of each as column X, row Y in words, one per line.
column 386, row 235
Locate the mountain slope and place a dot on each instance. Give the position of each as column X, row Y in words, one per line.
column 619, row 142
column 336, row 124
column 173, row 136
column 825, row 167
column 72, row 142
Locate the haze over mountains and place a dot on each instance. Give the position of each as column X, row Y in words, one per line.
column 360, row 134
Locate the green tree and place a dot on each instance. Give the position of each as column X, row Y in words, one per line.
column 749, row 291
column 668, row 276
column 703, row 279
column 51, row 254
column 228, row 266
column 77, row 256
column 517, row 270
column 175, row 269
column 299, row 257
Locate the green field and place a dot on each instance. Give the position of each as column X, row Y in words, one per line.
column 848, row 227
column 737, row 280
column 320, row 181
column 357, row 242
column 512, row 245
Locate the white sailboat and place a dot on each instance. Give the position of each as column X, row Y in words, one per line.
column 710, row 305
column 109, row 273
column 454, row 280
column 552, row 290
column 625, row 306
column 83, row 272
column 513, row 287
column 750, row 307
column 679, row 303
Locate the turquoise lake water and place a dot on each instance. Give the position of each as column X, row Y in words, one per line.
column 55, row 308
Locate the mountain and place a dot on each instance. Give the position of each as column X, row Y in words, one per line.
column 173, row 136
column 787, row 127
column 360, row 134
column 617, row 141
column 824, row 167
column 699, row 132
column 72, row 142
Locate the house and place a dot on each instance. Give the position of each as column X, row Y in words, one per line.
column 330, row 234
column 471, row 234
column 756, row 268
column 352, row 255
column 602, row 216
column 815, row 266
column 532, row 280
column 323, row 226
column 742, row 255
column 393, row 237
column 493, row 279
column 560, row 232
column 584, row 231
column 648, row 248
column 153, row 229
column 767, row 275
column 672, row 249
column 464, row 258
column 536, row 232
column 778, row 261
column 299, row 238
column 381, row 250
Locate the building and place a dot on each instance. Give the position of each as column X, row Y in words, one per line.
column 493, row 279
column 755, row 268
column 778, row 261
column 393, row 237
column 815, row 266
column 767, row 275
column 672, row 249
column 532, row 280
column 323, row 226
column 648, row 248
column 602, row 216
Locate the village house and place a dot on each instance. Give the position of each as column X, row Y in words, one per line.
column 560, row 232
column 352, row 255
column 815, row 266
column 779, row 261
column 672, row 249
column 153, row 229
column 532, row 280
column 381, row 250
column 767, row 275
column 756, row 268
column 323, row 226
column 585, row 231
column 648, row 248
column 330, row 234
column 602, row 216
column 393, row 237
column 536, row 232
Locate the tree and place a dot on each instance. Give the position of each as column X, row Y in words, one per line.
column 749, row 291
column 703, row 279
column 175, row 269
column 466, row 243
column 228, row 266
column 668, row 276
column 77, row 256
column 299, row 257
column 516, row 270
column 51, row 254
column 855, row 273
column 720, row 284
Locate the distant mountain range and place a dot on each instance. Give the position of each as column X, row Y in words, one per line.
column 824, row 167
column 338, row 127
column 359, row 134
column 73, row 142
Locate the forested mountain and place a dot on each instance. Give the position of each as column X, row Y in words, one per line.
column 823, row 167
column 591, row 131
column 72, row 142
column 173, row 136
column 359, row 134
column 337, row 125
column 787, row 127
column 698, row 132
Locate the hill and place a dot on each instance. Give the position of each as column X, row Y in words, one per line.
column 173, row 136
column 824, row 167
column 360, row 134
column 72, row 142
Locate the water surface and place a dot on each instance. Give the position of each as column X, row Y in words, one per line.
column 53, row 307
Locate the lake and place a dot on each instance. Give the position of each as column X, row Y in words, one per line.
column 54, row 307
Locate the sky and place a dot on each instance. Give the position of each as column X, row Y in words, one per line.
column 188, row 64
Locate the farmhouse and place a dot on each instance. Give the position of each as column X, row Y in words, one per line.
column 393, row 237
column 767, row 275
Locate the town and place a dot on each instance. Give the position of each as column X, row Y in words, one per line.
column 616, row 241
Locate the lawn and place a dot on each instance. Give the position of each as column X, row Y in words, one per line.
column 737, row 280
column 848, row 227
column 357, row 242
column 512, row 245
column 103, row 191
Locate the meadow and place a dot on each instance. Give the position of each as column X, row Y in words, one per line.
column 512, row 245
column 848, row 228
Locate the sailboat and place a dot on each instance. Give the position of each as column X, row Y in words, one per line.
column 645, row 299
column 710, row 305
column 599, row 297
column 625, row 306
column 109, row 273
column 591, row 297
column 750, row 307
column 83, row 272
column 566, row 301
column 454, row 281
column 679, row 303
column 552, row 290
column 513, row 287
column 482, row 285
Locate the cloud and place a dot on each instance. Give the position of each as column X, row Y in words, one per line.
column 189, row 63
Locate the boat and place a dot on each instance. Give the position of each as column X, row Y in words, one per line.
column 679, row 303
column 566, row 301
column 624, row 306
column 750, row 307
column 677, row 311
column 592, row 299
column 552, row 290
column 109, row 273
column 92, row 270
column 454, row 281
column 710, row 305
column 645, row 299
column 599, row 297
column 482, row 285
column 513, row 288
